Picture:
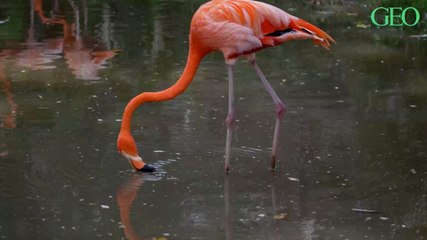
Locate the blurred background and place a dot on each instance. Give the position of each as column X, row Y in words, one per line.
column 352, row 158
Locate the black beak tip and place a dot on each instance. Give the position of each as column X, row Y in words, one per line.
column 147, row 168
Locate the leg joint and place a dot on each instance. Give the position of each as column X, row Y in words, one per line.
column 280, row 110
column 230, row 119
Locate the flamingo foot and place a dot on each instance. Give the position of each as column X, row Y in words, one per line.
column 227, row 169
column 273, row 163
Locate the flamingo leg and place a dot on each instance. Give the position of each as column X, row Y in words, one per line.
column 230, row 118
column 280, row 111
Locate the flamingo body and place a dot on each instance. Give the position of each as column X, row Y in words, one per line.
column 235, row 28
column 240, row 27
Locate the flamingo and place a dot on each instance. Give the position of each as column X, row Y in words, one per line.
column 236, row 28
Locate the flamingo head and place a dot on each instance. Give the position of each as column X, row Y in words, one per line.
column 127, row 147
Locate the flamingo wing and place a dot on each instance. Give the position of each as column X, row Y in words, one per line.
column 241, row 27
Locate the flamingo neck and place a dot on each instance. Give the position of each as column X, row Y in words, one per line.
column 193, row 62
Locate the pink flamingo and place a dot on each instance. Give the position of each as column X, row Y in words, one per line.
column 236, row 28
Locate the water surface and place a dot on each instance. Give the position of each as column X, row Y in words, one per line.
column 354, row 136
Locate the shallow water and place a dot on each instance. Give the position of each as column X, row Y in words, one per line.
column 354, row 136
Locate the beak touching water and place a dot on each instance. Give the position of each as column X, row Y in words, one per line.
column 137, row 163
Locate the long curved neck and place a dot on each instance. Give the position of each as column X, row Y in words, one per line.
column 193, row 62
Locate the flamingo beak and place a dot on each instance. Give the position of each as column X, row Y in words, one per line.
column 145, row 168
column 137, row 163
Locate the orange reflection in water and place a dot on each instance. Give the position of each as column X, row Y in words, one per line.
column 9, row 120
column 127, row 193
column 84, row 56
column 125, row 196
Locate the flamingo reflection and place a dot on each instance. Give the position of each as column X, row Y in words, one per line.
column 228, row 218
column 84, row 56
column 125, row 196
column 9, row 120
column 38, row 55
column 127, row 193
